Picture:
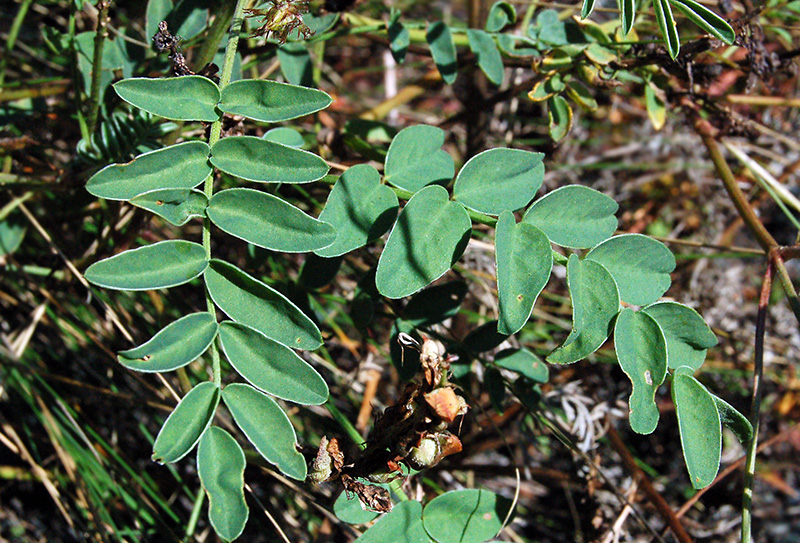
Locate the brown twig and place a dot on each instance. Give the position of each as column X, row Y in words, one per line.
column 646, row 486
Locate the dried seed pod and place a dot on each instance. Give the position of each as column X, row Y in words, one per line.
column 446, row 403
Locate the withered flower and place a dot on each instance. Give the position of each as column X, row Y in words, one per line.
column 281, row 19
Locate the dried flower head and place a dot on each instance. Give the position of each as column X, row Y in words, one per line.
column 281, row 19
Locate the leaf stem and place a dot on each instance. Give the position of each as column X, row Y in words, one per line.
column 97, row 63
column 208, row 185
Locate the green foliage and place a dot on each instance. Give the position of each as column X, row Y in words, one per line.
column 466, row 516
column 416, row 159
column 271, row 101
column 186, row 424
column 443, row 50
column 220, row 465
column 257, row 159
column 188, row 98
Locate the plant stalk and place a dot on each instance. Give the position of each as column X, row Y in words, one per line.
column 97, row 63
column 208, row 185
column 755, row 406
column 13, row 34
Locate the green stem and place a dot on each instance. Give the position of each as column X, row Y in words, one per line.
column 197, row 508
column 210, row 46
column 346, row 425
column 755, row 407
column 13, row 33
column 97, row 63
column 208, row 185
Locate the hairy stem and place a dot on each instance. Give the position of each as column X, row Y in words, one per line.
column 755, row 407
column 97, row 63
column 208, row 185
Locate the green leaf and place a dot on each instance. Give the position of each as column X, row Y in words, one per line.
column 666, row 23
column 499, row 180
column 360, row 208
column 296, row 64
column 256, row 159
column 501, row 14
column 656, row 109
column 189, row 18
column 734, row 421
column 220, row 465
column 493, row 384
column 547, row 88
column 465, row 516
column 399, row 40
column 516, row 46
column 579, row 94
column 285, row 136
column 182, row 166
column 524, row 262
column 443, row 50
column 687, row 334
column 271, row 101
column 706, row 19
column 250, row 302
column 176, row 206
column 157, row 11
column 524, row 362
column 640, row 265
column 699, row 424
column 267, row 427
column 559, row 114
column 174, row 346
column 489, row 60
column 595, row 303
column 627, row 14
column 428, row 239
column 186, row 424
column 11, row 236
column 574, row 216
column 599, row 54
column 642, row 354
column 186, row 98
column 401, row 525
column 484, row 338
column 160, row 265
column 271, row 366
column 267, row 221
column 416, row 158
column 587, row 8
column 435, row 304
column 348, row 508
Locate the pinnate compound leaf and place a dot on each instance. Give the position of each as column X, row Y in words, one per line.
column 465, row 516
column 220, row 465
column 403, row 524
column 187, row 98
column 271, row 366
column 642, row 354
column 267, row 221
column 524, row 262
column 499, row 180
column 271, row 101
column 687, row 334
column 666, row 23
column 639, row 264
column 699, row 424
column 186, row 424
column 174, row 346
column 595, row 303
column 443, row 50
column 257, row 159
column 488, row 55
column 574, row 216
column 733, row 420
column 250, row 302
column 176, row 206
column 360, row 208
column 267, row 427
column 706, row 19
column 525, row 363
column 428, row 238
column 181, row 166
column 416, row 159
column 160, row 265
column 501, row 14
